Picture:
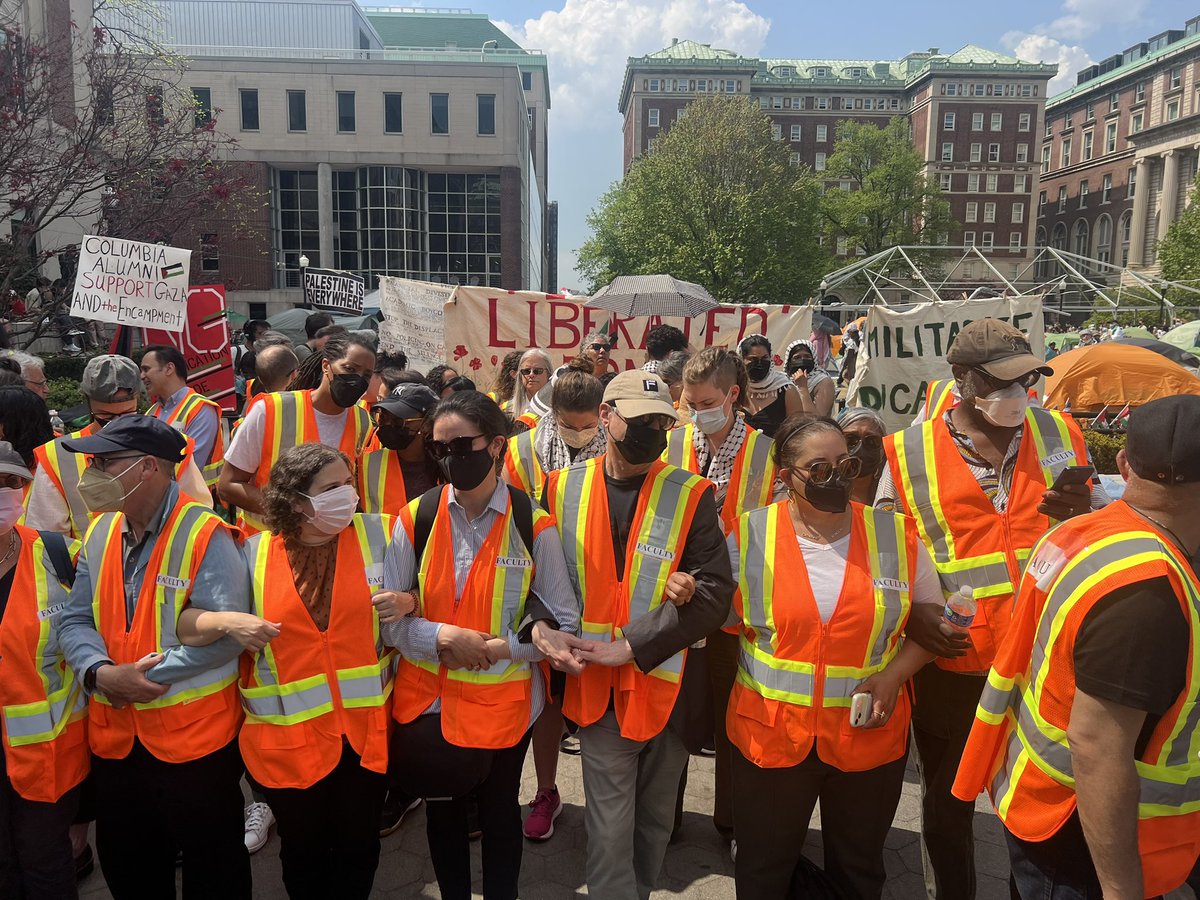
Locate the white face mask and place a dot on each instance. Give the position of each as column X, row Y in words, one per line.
column 11, row 507
column 710, row 421
column 577, row 440
column 1005, row 408
column 333, row 510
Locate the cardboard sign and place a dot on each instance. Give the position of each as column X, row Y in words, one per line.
column 204, row 343
column 131, row 283
column 905, row 348
column 333, row 290
column 413, row 319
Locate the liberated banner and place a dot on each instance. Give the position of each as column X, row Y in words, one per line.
column 413, row 319
column 333, row 290
column 484, row 324
column 204, row 343
column 131, row 283
column 906, row 348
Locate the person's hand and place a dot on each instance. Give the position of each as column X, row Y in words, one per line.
column 498, row 648
column 928, row 627
column 800, row 379
column 603, row 653
column 127, row 683
column 465, row 648
column 557, row 647
column 251, row 632
column 1069, row 501
column 884, row 692
column 681, row 587
column 392, row 606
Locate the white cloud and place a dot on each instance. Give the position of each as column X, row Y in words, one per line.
column 1042, row 48
column 1083, row 18
column 588, row 41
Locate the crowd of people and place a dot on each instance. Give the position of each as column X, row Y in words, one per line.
column 382, row 587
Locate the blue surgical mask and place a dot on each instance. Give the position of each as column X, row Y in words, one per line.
column 710, row 421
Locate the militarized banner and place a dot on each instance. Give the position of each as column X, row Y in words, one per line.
column 333, row 290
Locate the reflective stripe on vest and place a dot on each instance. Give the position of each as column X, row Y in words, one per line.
column 65, row 469
column 522, row 466
column 751, row 479
column 939, row 397
column 183, row 414
column 381, row 483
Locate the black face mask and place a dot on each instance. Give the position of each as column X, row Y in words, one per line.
column 832, row 497
column 642, row 444
column 758, row 368
column 465, row 473
column 346, row 390
column 805, row 365
column 394, row 437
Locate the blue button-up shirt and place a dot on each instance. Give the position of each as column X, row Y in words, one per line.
column 202, row 429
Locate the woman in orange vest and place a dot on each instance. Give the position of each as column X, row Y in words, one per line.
column 316, row 688
column 467, row 693
column 809, row 643
column 398, row 469
column 44, row 755
column 864, row 430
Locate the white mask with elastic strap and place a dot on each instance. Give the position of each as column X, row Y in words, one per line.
column 333, row 510
column 11, row 507
column 1004, row 408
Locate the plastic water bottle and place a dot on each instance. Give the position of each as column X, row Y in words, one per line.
column 56, row 422
column 959, row 610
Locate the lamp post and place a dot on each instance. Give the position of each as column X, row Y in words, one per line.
column 303, row 267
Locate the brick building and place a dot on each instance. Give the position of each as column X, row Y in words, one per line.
column 1119, row 152
column 974, row 114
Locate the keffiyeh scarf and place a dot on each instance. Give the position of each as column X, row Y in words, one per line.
column 553, row 451
column 720, row 469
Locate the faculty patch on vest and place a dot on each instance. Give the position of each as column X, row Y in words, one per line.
column 170, row 581
column 890, row 584
column 514, row 562
column 51, row 611
column 374, row 575
column 656, row 552
column 1055, row 458
column 1046, row 565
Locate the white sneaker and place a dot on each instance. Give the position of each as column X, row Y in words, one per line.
column 733, row 850
column 73, row 348
column 259, row 820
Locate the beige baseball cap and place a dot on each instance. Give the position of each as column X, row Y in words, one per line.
column 638, row 393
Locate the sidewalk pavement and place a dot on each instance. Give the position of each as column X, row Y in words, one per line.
column 697, row 865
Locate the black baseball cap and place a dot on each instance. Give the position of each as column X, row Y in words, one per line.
column 142, row 434
column 408, row 401
column 1162, row 440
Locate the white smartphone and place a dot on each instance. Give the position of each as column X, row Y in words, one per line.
column 862, row 708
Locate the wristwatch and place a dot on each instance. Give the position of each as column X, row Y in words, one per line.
column 89, row 677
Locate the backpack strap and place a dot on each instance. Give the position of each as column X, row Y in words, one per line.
column 522, row 512
column 427, row 507
column 60, row 556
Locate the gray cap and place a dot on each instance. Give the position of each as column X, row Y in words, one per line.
column 11, row 462
column 108, row 375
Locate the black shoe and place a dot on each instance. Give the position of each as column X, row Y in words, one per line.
column 474, row 832
column 85, row 863
column 395, row 808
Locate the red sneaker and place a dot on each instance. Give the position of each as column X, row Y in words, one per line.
column 544, row 809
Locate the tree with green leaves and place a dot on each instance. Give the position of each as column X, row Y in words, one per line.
column 717, row 202
column 1179, row 251
column 890, row 202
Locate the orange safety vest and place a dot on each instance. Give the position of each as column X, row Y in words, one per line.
column 667, row 502
column 796, row 675
column 289, row 421
column 522, row 468
column 307, row 690
column 44, row 708
column 1018, row 747
column 196, row 716
column 381, row 482
column 972, row 544
column 192, row 405
column 939, row 397
column 753, row 476
column 65, row 468
column 490, row 708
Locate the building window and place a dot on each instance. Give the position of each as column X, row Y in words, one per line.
column 976, row 152
column 1126, row 227
column 989, row 212
column 973, row 183
column 1110, row 137
column 794, row 159
column 154, row 109
column 1045, row 159
column 1173, row 110
column 202, row 98
column 1139, row 92
column 993, row 182
column 1083, row 194
column 393, row 113
column 527, row 81
column 1041, row 200
column 1023, row 121
column 485, row 104
column 248, row 100
column 210, row 253
column 652, row 117
column 968, row 239
column 1022, row 153
column 977, row 121
column 729, row 87
column 989, row 240
column 1135, row 123
column 819, row 164
column 345, row 111
column 1062, row 198
column 1014, row 241
column 1176, row 78
column 1090, row 112
column 795, row 133
column 1080, row 245
column 1131, row 190
column 946, row 180
column 655, row 85
column 297, row 111
column 948, row 122
column 822, row 103
column 972, row 212
column 1114, row 101
column 1018, row 212
column 439, row 113
column 1104, row 239
column 993, row 153
column 464, row 248
column 1106, row 189
column 997, row 122
column 822, row 134
column 1020, row 184
column 777, row 132
column 298, row 223
column 1065, row 158
column 1049, row 128
column 776, row 103
column 820, row 72
column 1087, row 145
column 947, row 153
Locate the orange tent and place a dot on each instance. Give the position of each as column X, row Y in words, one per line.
column 1111, row 374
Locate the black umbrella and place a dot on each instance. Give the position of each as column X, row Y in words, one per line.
column 1171, row 352
column 823, row 323
column 653, row 295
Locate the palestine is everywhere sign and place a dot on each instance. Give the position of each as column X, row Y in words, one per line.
column 334, row 290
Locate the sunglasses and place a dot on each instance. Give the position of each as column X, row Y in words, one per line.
column 657, row 422
column 106, row 419
column 996, row 384
column 822, row 471
column 536, row 370
column 459, row 446
column 857, row 442
column 600, row 348
column 12, row 482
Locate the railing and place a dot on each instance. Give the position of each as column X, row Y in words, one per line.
column 392, row 54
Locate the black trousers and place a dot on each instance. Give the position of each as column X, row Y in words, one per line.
column 941, row 719
column 35, row 846
column 329, row 831
column 425, row 764
column 147, row 810
column 771, row 813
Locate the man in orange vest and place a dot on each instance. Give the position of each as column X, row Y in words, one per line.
column 1085, row 735
column 165, row 374
column 655, row 580
column 976, row 479
column 163, row 718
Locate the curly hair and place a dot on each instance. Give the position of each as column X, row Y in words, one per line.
column 291, row 476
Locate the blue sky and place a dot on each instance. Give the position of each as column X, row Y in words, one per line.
column 587, row 42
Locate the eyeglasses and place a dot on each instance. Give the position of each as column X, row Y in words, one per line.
column 101, row 462
column 34, row 383
column 536, row 370
column 600, row 348
column 857, row 442
column 459, row 446
column 821, row 471
column 996, row 384
column 12, row 481
column 103, row 420
column 653, row 420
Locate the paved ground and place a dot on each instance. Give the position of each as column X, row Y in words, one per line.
column 697, row 865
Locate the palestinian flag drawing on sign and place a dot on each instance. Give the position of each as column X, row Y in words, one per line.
column 172, row 270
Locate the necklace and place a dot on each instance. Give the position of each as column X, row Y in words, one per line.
column 12, row 546
column 1174, row 537
column 811, row 534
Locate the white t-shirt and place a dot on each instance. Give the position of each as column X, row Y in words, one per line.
column 826, row 564
column 245, row 452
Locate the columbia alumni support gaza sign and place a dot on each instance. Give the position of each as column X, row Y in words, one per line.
column 131, row 283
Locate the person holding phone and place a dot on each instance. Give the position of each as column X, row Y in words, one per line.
column 808, row 645
column 800, row 363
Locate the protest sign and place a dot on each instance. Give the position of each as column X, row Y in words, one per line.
column 905, row 348
column 131, row 283
column 484, row 324
column 204, row 343
column 333, row 290
column 412, row 319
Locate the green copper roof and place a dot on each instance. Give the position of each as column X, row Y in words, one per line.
column 1129, row 68
column 692, row 50
column 437, row 29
